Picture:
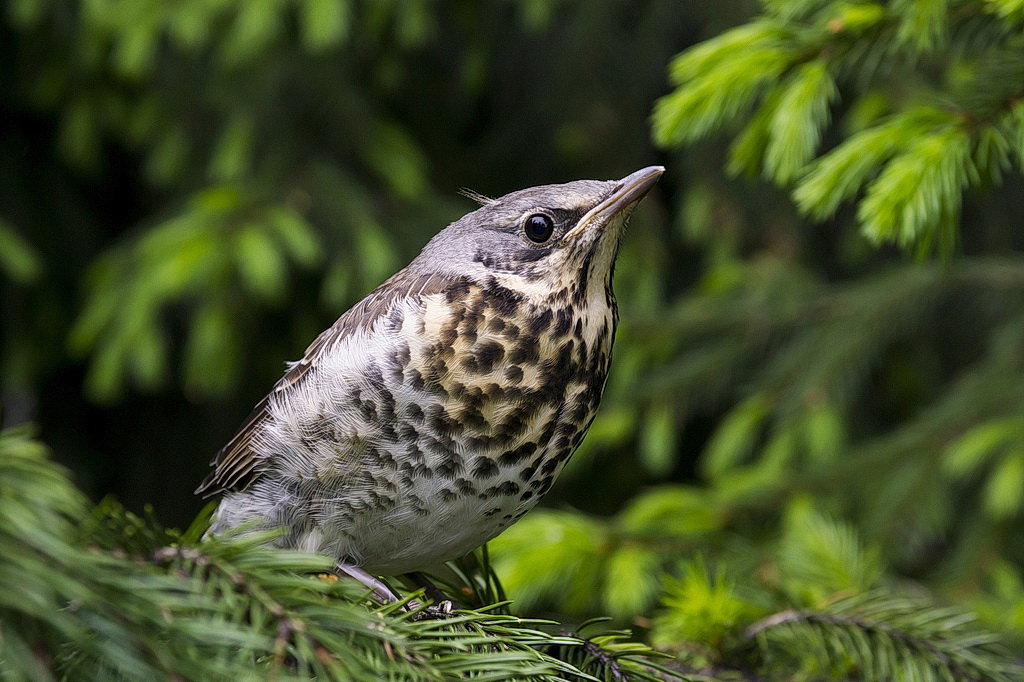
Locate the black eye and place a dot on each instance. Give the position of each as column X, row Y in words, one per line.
column 538, row 228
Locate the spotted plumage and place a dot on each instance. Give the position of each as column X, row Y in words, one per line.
column 440, row 408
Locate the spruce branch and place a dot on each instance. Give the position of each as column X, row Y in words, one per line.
column 949, row 72
column 882, row 636
column 116, row 596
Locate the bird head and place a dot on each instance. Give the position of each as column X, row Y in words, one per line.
column 542, row 241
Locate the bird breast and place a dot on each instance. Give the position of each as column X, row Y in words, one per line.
column 455, row 406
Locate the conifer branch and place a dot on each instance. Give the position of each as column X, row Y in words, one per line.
column 910, row 162
column 876, row 634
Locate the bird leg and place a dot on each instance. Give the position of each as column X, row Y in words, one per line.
column 381, row 592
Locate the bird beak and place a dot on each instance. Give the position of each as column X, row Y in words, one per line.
column 628, row 191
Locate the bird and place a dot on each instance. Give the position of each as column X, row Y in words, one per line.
column 440, row 408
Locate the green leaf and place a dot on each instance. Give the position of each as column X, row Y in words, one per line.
column 414, row 23
column 782, row 448
column 709, row 55
column 256, row 24
column 18, row 258
column 1006, row 8
column 1004, row 492
column 260, row 264
column 747, row 151
column 823, row 432
column 658, row 437
column 632, row 579
column 671, row 511
column 920, row 189
column 324, row 23
column 734, row 440
column 856, row 19
column 992, row 154
column 798, row 120
column 147, row 356
column 232, row 156
column 923, row 23
column 979, row 445
column 841, row 173
column 699, row 606
column 190, row 23
column 1012, row 125
column 550, row 555
column 298, row 236
column 136, row 49
column 396, row 157
column 100, row 308
column 105, row 376
column 717, row 95
column 820, row 557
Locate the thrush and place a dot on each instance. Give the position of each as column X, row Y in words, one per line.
column 440, row 408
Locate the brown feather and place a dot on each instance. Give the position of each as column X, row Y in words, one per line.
column 235, row 466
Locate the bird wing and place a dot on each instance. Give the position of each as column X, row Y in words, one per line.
column 236, row 465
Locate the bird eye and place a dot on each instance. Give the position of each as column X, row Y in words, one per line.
column 538, row 228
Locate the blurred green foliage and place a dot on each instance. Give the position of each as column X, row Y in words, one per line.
column 812, row 437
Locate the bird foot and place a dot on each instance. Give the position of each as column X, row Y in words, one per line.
column 378, row 590
column 435, row 611
column 381, row 593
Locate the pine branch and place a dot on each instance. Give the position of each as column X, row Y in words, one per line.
column 883, row 637
column 119, row 597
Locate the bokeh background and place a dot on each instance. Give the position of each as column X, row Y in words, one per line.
column 196, row 189
column 191, row 191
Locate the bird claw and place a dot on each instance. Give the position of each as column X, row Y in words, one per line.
column 381, row 593
column 436, row 611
